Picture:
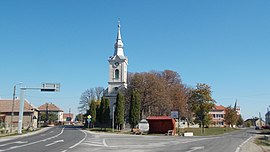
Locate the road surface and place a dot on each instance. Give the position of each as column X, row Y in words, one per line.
column 72, row 139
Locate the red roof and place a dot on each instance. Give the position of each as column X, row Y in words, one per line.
column 65, row 115
column 159, row 118
column 51, row 107
column 6, row 106
column 220, row 107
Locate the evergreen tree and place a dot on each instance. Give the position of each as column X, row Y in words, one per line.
column 135, row 105
column 106, row 114
column 120, row 111
column 93, row 112
column 101, row 111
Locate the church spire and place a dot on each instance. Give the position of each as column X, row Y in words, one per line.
column 118, row 46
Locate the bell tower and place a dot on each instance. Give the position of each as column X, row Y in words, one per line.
column 117, row 70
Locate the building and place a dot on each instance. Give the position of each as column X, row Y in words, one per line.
column 118, row 64
column 267, row 117
column 68, row 118
column 255, row 122
column 52, row 108
column 218, row 113
column 9, row 123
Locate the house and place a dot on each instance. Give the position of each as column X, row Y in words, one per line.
column 9, row 123
column 255, row 122
column 67, row 118
column 267, row 118
column 217, row 113
column 52, row 108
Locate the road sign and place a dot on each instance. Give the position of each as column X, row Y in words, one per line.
column 89, row 116
column 89, row 120
column 51, row 87
column 174, row 114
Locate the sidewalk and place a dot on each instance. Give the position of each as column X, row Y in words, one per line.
column 6, row 138
column 250, row 146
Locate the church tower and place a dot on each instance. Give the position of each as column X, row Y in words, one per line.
column 117, row 70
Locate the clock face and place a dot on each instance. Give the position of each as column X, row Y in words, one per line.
column 116, row 64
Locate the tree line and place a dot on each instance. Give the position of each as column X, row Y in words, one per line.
column 153, row 93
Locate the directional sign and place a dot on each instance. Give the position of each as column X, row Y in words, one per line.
column 51, row 87
column 174, row 114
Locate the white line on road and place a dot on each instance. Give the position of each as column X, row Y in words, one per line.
column 15, row 147
column 239, row 147
column 16, row 142
column 55, row 142
column 195, row 148
column 104, row 143
column 85, row 135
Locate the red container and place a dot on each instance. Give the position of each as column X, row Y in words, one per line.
column 161, row 124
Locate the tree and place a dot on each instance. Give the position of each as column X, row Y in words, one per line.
column 79, row 117
column 201, row 102
column 52, row 117
column 135, row 105
column 230, row 116
column 98, row 92
column 93, row 108
column 240, row 121
column 120, row 111
column 86, row 97
column 160, row 92
column 104, row 111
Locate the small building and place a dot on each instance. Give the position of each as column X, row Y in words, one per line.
column 68, row 118
column 52, row 108
column 256, row 122
column 9, row 123
column 161, row 124
column 217, row 114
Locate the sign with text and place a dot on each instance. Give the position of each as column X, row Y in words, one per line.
column 174, row 114
column 51, row 87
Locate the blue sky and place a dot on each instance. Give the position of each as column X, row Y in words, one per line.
column 221, row 43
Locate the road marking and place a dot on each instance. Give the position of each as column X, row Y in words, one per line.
column 55, row 142
column 195, row 148
column 85, row 135
column 16, row 142
column 104, row 143
column 239, row 147
column 15, row 147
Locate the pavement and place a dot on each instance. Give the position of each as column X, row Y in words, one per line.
column 250, row 146
column 11, row 137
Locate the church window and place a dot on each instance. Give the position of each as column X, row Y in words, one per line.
column 116, row 76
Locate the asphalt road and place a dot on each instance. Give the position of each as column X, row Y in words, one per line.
column 65, row 139
column 56, row 139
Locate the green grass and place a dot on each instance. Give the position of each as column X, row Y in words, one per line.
column 262, row 141
column 208, row 131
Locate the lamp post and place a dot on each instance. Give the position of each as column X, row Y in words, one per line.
column 13, row 100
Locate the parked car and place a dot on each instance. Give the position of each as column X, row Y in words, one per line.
column 265, row 127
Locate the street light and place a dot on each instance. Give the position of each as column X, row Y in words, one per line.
column 13, row 100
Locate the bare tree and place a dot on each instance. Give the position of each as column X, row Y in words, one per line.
column 85, row 100
column 98, row 92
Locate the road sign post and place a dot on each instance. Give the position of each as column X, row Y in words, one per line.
column 55, row 87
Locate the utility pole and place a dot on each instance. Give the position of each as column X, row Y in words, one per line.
column 47, row 114
column 13, row 100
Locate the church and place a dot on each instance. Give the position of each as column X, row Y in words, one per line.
column 118, row 64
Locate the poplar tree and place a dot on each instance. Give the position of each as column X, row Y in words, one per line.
column 120, row 111
column 93, row 114
column 135, row 105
